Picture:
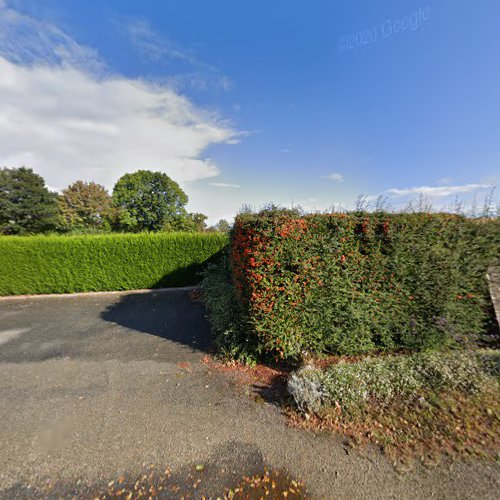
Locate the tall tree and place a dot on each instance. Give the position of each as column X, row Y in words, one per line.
column 149, row 201
column 223, row 226
column 26, row 205
column 191, row 222
column 86, row 205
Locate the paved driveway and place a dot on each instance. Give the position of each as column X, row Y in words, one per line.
column 95, row 386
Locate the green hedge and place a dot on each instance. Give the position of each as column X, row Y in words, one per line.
column 58, row 264
column 359, row 282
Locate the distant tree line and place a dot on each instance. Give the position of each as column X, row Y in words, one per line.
column 141, row 201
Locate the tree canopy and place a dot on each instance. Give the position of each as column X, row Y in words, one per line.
column 86, row 205
column 191, row 222
column 223, row 226
column 26, row 205
column 141, row 201
column 149, row 201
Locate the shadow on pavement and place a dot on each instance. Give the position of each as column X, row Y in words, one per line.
column 174, row 315
column 234, row 470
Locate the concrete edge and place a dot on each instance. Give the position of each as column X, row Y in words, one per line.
column 6, row 298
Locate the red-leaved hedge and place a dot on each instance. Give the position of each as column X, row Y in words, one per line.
column 354, row 283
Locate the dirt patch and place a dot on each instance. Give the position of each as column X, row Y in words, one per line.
column 431, row 429
column 326, row 361
column 266, row 383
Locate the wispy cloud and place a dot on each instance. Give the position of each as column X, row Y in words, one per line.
column 285, row 151
column 157, row 48
column 224, row 185
column 439, row 197
column 27, row 41
column 335, row 176
column 154, row 46
column 64, row 113
column 437, row 191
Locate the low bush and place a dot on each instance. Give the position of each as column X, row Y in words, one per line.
column 55, row 264
column 350, row 386
column 428, row 406
column 359, row 282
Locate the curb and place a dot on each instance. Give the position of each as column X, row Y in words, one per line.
column 7, row 298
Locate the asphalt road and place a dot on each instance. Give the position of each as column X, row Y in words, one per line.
column 97, row 386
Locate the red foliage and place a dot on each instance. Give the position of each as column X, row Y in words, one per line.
column 282, row 264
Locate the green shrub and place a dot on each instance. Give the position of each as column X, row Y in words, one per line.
column 359, row 282
column 55, row 264
column 349, row 386
column 225, row 312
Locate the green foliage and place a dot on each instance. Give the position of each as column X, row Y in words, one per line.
column 350, row 386
column 225, row 312
column 57, row 264
column 26, row 205
column 86, row 205
column 149, row 201
column 188, row 223
column 355, row 283
column 223, row 226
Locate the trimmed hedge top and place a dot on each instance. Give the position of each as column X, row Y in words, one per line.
column 64, row 264
column 358, row 282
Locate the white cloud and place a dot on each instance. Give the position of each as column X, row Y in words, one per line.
column 26, row 40
column 63, row 116
column 445, row 180
column 156, row 48
column 224, row 185
column 437, row 191
column 336, row 177
column 445, row 198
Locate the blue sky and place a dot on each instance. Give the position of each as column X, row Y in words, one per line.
column 300, row 102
